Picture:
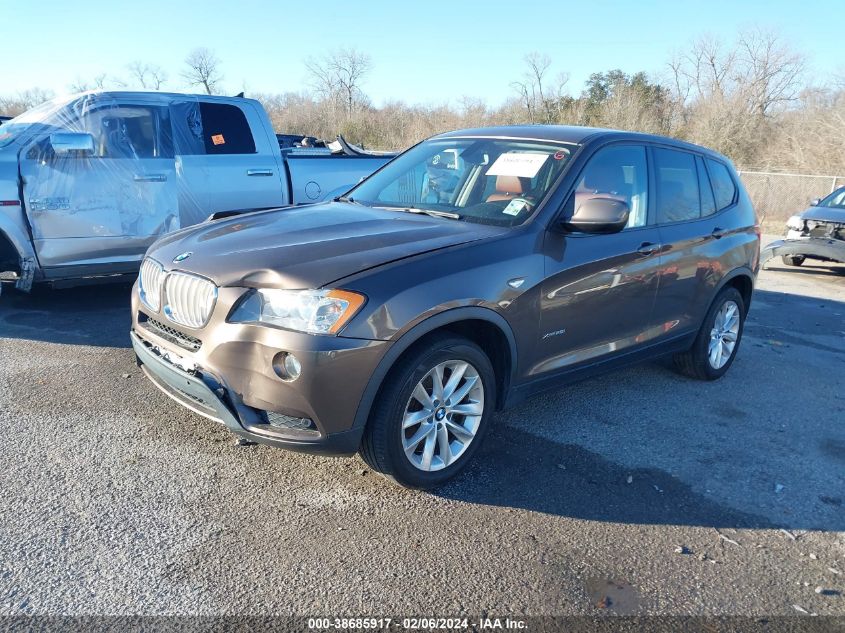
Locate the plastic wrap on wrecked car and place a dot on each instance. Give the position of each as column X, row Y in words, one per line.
column 128, row 184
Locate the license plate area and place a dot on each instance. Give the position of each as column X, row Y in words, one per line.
column 175, row 359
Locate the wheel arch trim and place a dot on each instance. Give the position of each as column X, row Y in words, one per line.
column 415, row 334
column 742, row 271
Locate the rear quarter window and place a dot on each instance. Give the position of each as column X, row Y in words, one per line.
column 708, row 203
column 724, row 188
column 225, row 130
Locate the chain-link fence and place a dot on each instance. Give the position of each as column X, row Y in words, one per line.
column 776, row 196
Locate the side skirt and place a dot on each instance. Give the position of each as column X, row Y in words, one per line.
column 577, row 373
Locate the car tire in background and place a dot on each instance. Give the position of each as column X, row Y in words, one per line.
column 792, row 260
column 717, row 342
column 431, row 413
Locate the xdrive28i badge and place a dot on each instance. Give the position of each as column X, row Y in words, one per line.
column 181, row 257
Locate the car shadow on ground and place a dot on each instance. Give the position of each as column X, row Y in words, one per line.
column 98, row 315
column 521, row 470
column 767, row 457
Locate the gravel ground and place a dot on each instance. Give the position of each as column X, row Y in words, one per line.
column 690, row 498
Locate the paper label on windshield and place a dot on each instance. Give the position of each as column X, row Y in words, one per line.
column 518, row 164
column 515, row 206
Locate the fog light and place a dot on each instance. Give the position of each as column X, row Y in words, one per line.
column 287, row 366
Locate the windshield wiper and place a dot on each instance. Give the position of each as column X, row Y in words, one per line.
column 431, row 212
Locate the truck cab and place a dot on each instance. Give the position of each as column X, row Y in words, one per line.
column 89, row 182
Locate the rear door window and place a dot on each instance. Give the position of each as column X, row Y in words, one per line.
column 225, row 130
column 723, row 185
column 678, row 196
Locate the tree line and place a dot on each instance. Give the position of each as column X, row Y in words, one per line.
column 749, row 99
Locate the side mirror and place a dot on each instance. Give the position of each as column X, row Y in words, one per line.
column 64, row 142
column 599, row 215
column 815, row 202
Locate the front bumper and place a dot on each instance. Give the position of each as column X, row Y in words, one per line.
column 813, row 247
column 208, row 395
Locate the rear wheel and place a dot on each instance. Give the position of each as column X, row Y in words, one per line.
column 792, row 260
column 431, row 414
column 717, row 343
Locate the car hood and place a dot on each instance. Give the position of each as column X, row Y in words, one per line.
column 307, row 247
column 824, row 214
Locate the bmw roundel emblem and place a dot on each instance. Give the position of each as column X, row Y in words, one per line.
column 182, row 257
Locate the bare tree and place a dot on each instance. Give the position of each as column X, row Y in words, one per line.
column 24, row 100
column 771, row 71
column 542, row 103
column 80, row 85
column 100, row 81
column 339, row 76
column 728, row 96
column 759, row 71
column 203, row 69
column 147, row 76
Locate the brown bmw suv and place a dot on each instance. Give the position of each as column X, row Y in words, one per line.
column 475, row 269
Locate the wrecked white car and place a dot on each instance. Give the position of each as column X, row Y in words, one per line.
column 816, row 233
column 88, row 182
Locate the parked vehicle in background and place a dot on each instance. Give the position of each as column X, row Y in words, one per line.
column 88, row 182
column 477, row 268
column 817, row 233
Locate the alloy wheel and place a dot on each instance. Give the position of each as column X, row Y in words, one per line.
column 723, row 335
column 442, row 415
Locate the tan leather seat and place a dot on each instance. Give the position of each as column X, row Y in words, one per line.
column 508, row 187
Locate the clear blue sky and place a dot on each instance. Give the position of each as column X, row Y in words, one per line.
column 431, row 52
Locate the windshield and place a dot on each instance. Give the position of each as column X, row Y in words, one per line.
column 835, row 200
column 489, row 180
column 13, row 128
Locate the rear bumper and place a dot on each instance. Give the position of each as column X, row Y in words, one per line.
column 814, row 247
column 209, row 396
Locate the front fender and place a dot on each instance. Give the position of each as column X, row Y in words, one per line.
column 14, row 231
column 416, row 333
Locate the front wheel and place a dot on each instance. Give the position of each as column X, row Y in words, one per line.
column 717, row 343
column 792, row 260
column 431, row 414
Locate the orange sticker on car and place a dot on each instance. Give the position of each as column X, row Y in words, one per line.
column 218, row 139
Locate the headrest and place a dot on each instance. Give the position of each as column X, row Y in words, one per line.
column 511, row 185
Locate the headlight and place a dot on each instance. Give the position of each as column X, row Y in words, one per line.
column 796, row 223
column 311, row 311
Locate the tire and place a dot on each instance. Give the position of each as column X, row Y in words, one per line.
column 792, row 260
column 385, row 440
column 697, row 361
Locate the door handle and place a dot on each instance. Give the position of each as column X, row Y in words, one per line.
column 718, row 233
column 259, row 172
column 648, row 248
column 150, row 178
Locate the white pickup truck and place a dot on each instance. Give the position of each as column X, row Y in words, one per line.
column 88, row 182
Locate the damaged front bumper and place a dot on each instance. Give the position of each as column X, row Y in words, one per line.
column 827, row 249
column 210, row 397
